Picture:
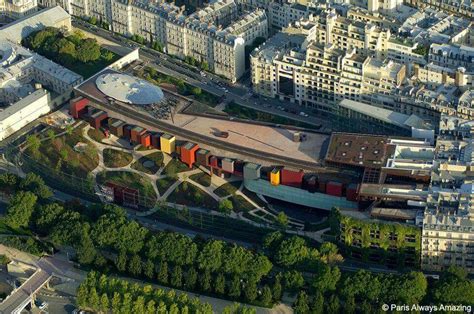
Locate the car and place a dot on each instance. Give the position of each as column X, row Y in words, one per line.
column 41, row 304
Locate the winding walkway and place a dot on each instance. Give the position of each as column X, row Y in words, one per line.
column 183, row 176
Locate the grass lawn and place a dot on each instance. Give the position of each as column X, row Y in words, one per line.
column 115, row 158
column 96, row 135
column 254, row 197
column 228, row 188
column 202, row 178
column 175, row 166
column 187, row 194
column 164, row 184
column 240, row 204
column 128, row 179
column 59, row 155
column 150, row 163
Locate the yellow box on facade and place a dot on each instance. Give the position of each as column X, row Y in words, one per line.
column 168, row 143
column 275, row 176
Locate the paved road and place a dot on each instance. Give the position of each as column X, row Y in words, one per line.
column 20, row 296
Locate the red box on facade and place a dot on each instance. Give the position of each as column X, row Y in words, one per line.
column 334, row 188
column 321, row 186
column 78, row 107
column 213, row 161
column 239, row 168
column 96, row 118
column 188, row 153
column 292, row 178
column 155, row 140
column 136, row 133
column 127, row 131
column 351, row 192
column 145, row 139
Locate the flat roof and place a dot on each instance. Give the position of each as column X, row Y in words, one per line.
column 361, row 150
column 22, row 104
column 267, row 139
column 129, row 89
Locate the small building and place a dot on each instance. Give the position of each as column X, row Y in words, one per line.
column 78, row 107
column 145, row 139
column 116, row 127
column 275, row 176
column 252, row 171
column 202, row 157
column 96, row 118
column 155, row 140
column 228, row 165
column 188, row 153
column 136, row 134
column 292, row 178
column 168, row 143
column 127, row 131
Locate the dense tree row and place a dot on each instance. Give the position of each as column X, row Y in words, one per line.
column 103, row 294
column 65, row 49
column 366, row 292
column 290, row 252
column 105, row 238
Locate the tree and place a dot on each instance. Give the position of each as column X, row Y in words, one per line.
column 190, row 279
column 88, row 50
column 51, row 135
column 163, row 272
column 93, row 300
column 234, row 288
column 108, row 55
column 33, row 143
column 82, row 295
column 454, row 287
column 291, row 251
column 277, row 289
column 333, row 219
column 139, row 305
column 116, row 302
column 266, row 296
column 86, row 251
column 226, row 206
column 272, row 240
column 8, row 181
column 317, row 304
column 47, row 216
column 35, row 184
column 93, row 20
column 282, row 219
column 219, row 285
column 205, row 281
column 333, row 305
column 150, row 307
column 301, row 304
column 250, row 291
column 135, row 265
column 149, row 269
column 211, row 255
column 326, row 278
column 177, row 277
column 121, row 261
column 349, row 305
column 104, row 303
column 20, row 209
column 293, row 280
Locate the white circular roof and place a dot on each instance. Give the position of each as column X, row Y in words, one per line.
column 129, row 89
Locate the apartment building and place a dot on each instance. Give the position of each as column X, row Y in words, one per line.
column 215, row 34
column 457, row 7
column 448, row 224
column 15, row 9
